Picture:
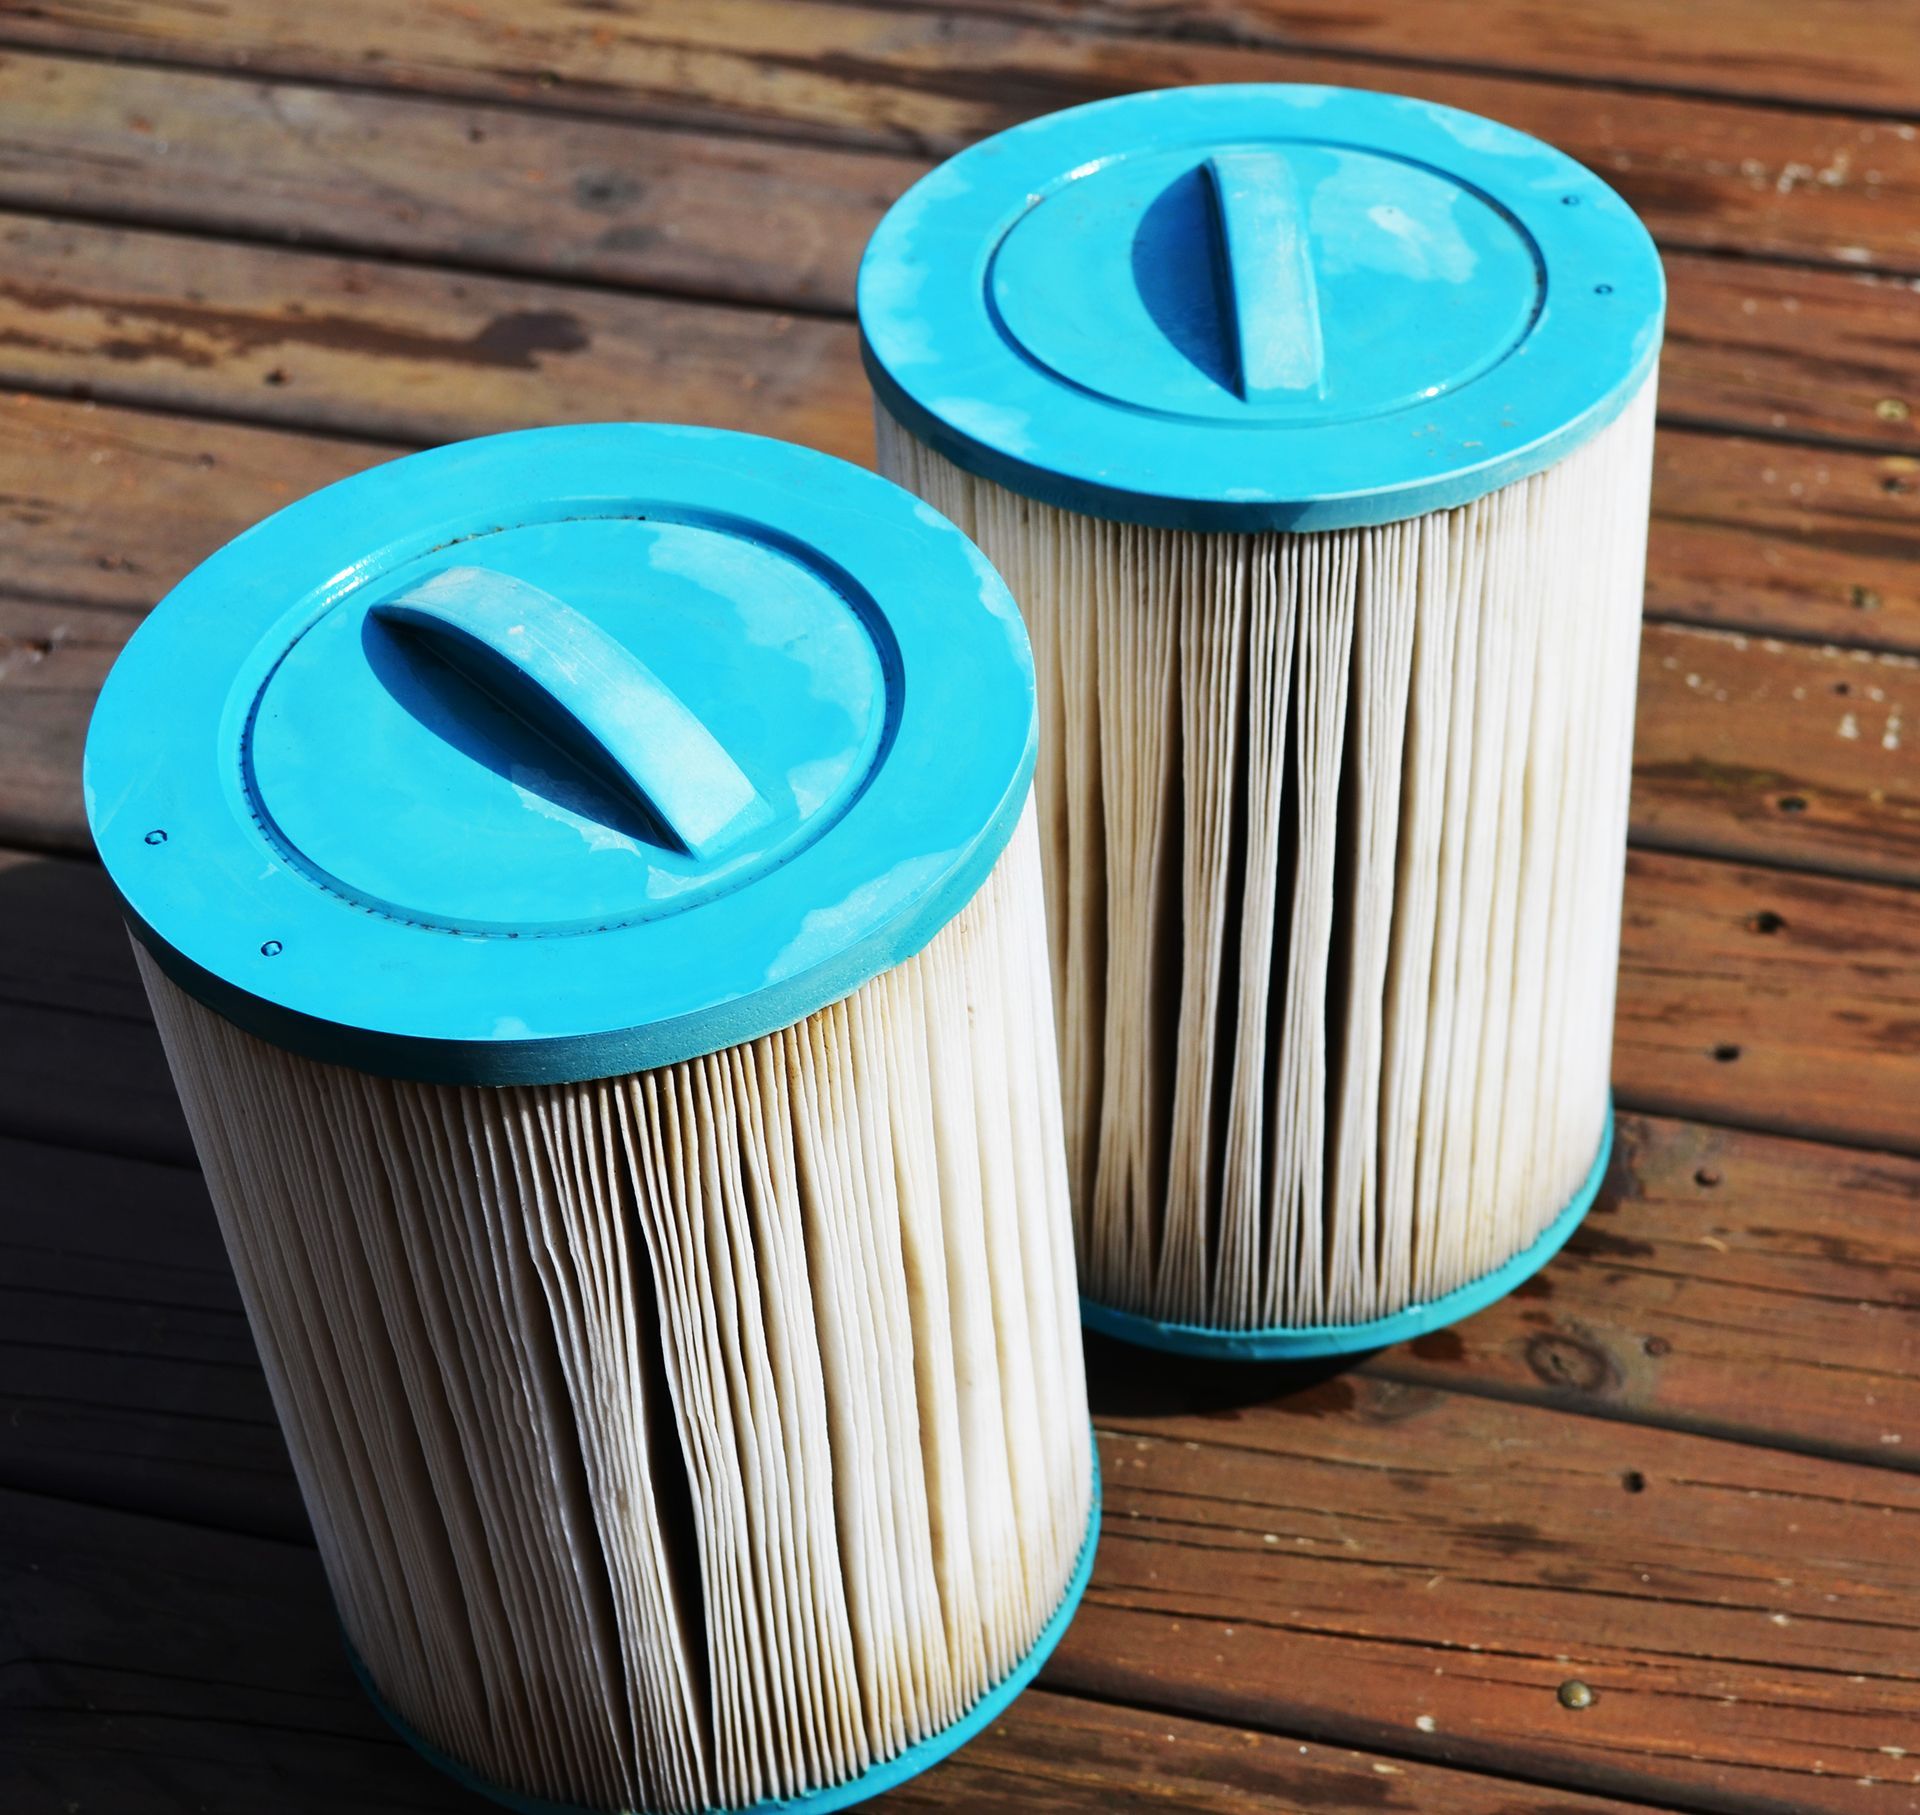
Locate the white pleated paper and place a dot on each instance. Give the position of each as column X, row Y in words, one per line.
column 1334, row 831
column 689, row 1438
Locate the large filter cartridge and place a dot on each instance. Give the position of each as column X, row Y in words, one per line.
column 1312, row 430
column 587, row 884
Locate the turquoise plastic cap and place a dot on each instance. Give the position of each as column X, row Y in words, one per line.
column 1259, row 307
column 562, row 754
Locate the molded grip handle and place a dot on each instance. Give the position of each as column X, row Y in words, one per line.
column 576, row 685
column 1263, row 272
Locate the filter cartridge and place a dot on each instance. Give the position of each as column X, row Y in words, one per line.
column 587, row 884
column 1312, row 430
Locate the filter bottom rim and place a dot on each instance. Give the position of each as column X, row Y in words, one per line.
column 1303, row 1342
column 877, row 1779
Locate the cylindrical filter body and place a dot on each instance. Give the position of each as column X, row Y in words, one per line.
column 1312, row 430
column 609, row 1002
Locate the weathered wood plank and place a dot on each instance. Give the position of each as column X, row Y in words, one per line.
column 932, row 76
column 150, row 1667
column 1808, row 541
column 1792, row 351
column 110, row 507
column 1769, row 1000
column 550, row 195
column 52, row 661
column 418, row 354
column 414, row 354
column 127, row 1374
column 1793, row 753
column 557, row 195
column 1363, row 1557
column 80, row 1062
column 1726, row 1282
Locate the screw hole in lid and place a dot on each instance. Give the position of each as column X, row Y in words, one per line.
column 156, row 836
column 272, row 949
column 1569, row 201
column 1603, row 289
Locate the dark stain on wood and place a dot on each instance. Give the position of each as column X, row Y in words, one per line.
column 1439, row 1345
column 180, row 332
column 1571, row 1363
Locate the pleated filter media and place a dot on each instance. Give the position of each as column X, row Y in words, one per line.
column 611, row 1010
column 1312, row 431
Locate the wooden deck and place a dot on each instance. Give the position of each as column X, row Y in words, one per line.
column 247, row 246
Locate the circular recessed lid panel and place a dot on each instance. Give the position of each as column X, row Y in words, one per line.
column 563, row 753
column 1259, row 307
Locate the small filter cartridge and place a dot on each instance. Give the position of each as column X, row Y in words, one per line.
column 1312, row 430
column 587, row 884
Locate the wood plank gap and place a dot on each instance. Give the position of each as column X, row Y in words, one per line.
column 1666, row 619
column 753, row 130
column 1784, row 863
column 1156, row 30
column 1393, row 1747
column 363, row 252
column 1811, row 439
column 1784, row 1443
column 88, row 391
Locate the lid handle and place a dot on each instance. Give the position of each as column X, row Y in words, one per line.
column 557, row 669
column 1263, row 275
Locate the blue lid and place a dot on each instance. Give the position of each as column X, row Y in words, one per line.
column 563, row 753
column 1259, row 307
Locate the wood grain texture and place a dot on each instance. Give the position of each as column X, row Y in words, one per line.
column 1794, row 753
column 1731, row 1283
column 127, row 1374
column 464, row 183
column 929, row 78
column 107, row 507
column 1756, row 997
column 1806, row 541
column 403, row 352
column 53, row 659
column 1792, row 352
column 151, row 1667
column 556, row 195
column 80, row 1062
column 1362, row 1557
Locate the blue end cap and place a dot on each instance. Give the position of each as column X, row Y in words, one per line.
column 1259, row 307
column 564, row 753
column 1304, row 1342
column 876, row 1780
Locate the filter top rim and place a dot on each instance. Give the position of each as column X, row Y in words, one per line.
column 1259, row 306
column 563, row 753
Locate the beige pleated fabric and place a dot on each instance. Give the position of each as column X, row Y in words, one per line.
column 689, row 1438
column 1334, row 831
